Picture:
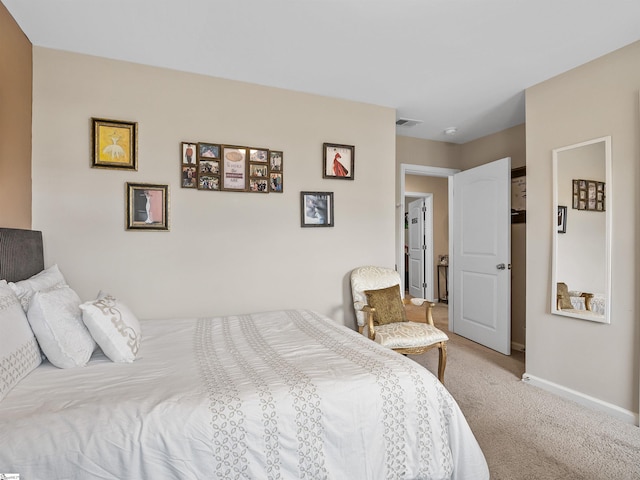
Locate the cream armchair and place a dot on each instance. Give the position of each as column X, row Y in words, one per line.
column 380, row 313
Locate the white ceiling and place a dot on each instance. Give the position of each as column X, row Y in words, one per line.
column 448, row 63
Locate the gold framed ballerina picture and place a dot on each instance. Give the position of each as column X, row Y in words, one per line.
column 115, row 144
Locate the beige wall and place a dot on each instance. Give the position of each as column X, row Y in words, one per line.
column 15, row 124
column 227, row 252
column 508, row 143
column 591, row 101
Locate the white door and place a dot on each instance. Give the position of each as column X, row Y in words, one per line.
column 482, row 255
column 420, row 262
column 416, row 248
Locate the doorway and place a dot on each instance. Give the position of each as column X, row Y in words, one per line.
column 419, row 245
column 445, row 175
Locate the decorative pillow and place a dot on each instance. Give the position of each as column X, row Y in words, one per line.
column 46, row 280
column 388, row 305
column 19, row 352
column 114, row 328
column 56, row 320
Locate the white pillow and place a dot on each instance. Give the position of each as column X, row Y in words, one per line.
column 114, row 328
column 56, row 320
column 19, row 352
column 46, row 280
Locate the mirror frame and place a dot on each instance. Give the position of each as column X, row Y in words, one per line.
column 606, row 318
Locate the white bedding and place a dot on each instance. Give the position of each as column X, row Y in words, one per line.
column 275, row 395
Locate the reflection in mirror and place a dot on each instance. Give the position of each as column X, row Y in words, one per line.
column 581, row 272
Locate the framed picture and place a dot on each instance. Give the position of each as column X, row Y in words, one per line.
column 234, row 169
column 147, row 206
column 208, row 151
column 209, row 167
column 208, row 182
column 338, row 161
column 275, row 160
column 259, row 185
column 259, row 155
column 519, row 195
column 275, row 182
column 188, row 152
column 189, row 176
column 115, row 144
column 588, row 195
column 316, row 209
column 562, row 219
column 258, row 170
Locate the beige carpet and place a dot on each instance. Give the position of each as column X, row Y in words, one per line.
column 526, row 432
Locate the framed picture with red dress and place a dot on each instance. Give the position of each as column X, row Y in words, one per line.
column 338, row 161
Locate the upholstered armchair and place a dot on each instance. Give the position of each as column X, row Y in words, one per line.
column 381, row 316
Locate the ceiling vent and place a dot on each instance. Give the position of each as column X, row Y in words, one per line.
column 407, row 122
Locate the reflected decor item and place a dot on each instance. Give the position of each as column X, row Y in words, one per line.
column 588, row 195
column 562, row 219
column 581, row 259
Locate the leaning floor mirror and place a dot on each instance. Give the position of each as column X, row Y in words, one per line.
column 581, row 260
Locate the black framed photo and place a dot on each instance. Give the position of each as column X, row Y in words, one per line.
column 562, row 219
column 338, row 161
column 316, row 209
column 147, row 206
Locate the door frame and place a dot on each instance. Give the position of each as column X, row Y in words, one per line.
column 425, row 171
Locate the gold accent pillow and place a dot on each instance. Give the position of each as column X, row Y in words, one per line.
column 388, row 305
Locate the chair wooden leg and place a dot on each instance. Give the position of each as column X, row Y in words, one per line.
column 442, row 361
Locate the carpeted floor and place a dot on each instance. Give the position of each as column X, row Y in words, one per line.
column 526, row 432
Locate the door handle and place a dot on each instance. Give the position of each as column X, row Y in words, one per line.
column 501, row 266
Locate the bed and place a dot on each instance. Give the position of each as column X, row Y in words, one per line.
column 268, row 395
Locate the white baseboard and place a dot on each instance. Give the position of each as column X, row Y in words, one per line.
column 583, row 399
column 517, row 346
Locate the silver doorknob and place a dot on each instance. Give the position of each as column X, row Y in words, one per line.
column 501, row 266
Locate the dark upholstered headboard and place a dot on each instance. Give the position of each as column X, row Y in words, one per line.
column 21, row 254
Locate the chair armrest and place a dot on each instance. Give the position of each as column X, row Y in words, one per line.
column 368, row 311
column 429, row 305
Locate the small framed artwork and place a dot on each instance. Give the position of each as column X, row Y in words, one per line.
column 258, row 170
column 115, row 144
column 188, row 151
column 189, row 176
column 338, row 161
column 209, row 167
column 147, row 206
column 275, row 160
column 519, row 195
column 208, row 151
column 234, row 169
column 259, row 155
column 275, row 182
column 208, row 182
column 259, row 185
column 562, row 219
column 316, row 209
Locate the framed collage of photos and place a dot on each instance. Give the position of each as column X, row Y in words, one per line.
column 588, row 195
column 212, row 166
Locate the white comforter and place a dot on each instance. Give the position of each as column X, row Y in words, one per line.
column 276, row 395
